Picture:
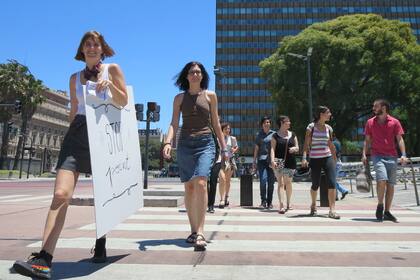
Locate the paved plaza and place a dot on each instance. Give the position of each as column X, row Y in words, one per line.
column 244, row 242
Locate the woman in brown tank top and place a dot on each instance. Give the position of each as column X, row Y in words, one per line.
column 196, row 148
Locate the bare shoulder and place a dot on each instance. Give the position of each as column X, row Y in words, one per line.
column 114, row 68
column 211, row 96
column 72, row 80
column 179, row 97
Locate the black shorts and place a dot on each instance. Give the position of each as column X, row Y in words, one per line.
column 74, row 153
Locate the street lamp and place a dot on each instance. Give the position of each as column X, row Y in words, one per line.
column 307, row 58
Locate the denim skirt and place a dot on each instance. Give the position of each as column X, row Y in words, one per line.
column 74, row 153
column 195, row 156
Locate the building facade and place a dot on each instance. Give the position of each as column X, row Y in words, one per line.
column 45, row 132
column 248, row 31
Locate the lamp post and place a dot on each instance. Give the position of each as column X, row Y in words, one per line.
column 307, row 58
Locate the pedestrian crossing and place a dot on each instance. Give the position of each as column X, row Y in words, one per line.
column 251, row 243
column 19, row 198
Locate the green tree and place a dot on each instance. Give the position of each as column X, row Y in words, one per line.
column 355, row 59
column 17, row 82
column 154, row 153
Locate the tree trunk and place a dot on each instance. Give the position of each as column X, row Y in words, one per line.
column 4, row 145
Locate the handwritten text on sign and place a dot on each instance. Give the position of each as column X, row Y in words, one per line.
column 115, row 158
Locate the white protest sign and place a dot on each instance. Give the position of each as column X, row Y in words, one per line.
column 115, row 158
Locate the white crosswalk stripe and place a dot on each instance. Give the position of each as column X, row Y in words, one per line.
column 25, row 199
column 354, row 247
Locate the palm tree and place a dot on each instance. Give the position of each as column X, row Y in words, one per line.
column 17, row 82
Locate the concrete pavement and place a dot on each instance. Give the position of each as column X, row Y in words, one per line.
column 244, row 243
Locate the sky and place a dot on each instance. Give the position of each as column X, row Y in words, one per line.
column 152, row 40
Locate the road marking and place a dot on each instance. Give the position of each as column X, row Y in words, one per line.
column 28, row 198
column 180, row 272
column 264, row 229
column 277, row 218
column 13, row 196
column 295, row 211
column 246, row 245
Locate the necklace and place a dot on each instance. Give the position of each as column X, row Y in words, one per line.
column 89, row 74
column 194, row 101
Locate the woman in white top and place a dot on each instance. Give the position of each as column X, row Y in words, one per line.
column 228, row 166
column 74, row 155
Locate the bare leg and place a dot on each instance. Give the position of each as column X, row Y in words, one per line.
column 228, row 177
column 389, row 197
column 381, row 185
column 188, row 197
column 280, row 190
column 314, row 194
column 199, row 203
column 331, row 199
column 222, row 185
column 63, row 191
column 288, row 186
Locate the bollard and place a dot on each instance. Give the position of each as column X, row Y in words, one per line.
column 246, row 190
column 323, row 192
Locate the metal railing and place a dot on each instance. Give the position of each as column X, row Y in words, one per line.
column 405, row 173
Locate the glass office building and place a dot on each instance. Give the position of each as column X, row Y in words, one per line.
column 248, row 31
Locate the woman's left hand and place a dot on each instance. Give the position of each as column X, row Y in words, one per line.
column 102, row 85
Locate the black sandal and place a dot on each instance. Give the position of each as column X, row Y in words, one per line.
column 191, row 238
column 226, row 200
column 200, row 243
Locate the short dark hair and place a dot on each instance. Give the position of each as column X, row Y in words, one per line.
column 107, row 50
column 319, row 110
column 182, row 81
column 263, row 119
column 383, row 102
column 224, row 125
column 281, row 119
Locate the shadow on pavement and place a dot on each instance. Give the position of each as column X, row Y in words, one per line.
column 66, row 270
column 180, row 242
column 373, row 220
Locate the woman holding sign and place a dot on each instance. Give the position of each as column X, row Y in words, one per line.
column 74, row 156
column 196, row 148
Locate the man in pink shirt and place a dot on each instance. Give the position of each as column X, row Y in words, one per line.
column 380, row 134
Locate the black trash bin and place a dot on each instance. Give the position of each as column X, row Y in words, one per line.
column 323, row 192
column 246, row 190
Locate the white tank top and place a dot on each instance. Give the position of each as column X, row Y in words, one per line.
column 81, row 108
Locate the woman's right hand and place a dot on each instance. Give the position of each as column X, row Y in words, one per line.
column 304, row 163
column 167, row 151
column 273, row 164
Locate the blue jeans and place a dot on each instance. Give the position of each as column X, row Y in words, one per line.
column 266, row 181
column 339, row 186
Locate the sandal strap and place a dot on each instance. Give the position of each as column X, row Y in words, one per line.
column 200, row 237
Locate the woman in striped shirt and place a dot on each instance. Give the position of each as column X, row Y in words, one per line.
column 318, row 143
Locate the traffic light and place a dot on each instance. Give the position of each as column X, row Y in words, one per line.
column 139, row 111
column 156, row 114
column 18, row 106
column 154, row 111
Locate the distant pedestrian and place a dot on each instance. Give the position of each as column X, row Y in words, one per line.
column 228, row 165
column 262, row 161
column 212, row 182
column 339, row 187
column 321, row 150
column 382, row 132
column 196, row 148
column 74, row 155
column 284, row 147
